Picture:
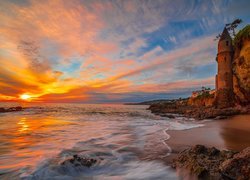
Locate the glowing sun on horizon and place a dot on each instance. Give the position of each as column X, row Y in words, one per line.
column 25, row 97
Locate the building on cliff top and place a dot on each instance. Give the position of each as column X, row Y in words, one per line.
column 203, row 91
column 224, row 78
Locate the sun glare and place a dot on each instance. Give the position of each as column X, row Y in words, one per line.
column 25, row 96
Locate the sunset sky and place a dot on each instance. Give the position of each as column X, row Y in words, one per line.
column 96, row 51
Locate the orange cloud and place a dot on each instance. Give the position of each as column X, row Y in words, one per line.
column 41, row 41
column 24, row 28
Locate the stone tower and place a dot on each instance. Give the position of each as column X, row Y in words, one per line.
column 224, row 77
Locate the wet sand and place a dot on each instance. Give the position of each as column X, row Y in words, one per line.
column 232, row 134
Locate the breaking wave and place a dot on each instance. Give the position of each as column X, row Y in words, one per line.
column 126, row 141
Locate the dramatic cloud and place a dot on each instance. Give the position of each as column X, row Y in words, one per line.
column 110, row 51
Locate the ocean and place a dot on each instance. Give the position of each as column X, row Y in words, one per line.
column 128, row 141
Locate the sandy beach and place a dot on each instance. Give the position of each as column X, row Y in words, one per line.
column 232, row 134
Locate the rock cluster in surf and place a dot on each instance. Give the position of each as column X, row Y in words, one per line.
column 11, row 109
column 77, row 160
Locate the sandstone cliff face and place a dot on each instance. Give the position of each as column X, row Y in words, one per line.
column 202, row 101
column 241, row 68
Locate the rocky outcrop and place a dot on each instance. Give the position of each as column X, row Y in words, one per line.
column 241, row 66
column 202, row 101
column 212, row 163
column 237, row 167
column 197, row 112
column 11, row 109
column 77, row 160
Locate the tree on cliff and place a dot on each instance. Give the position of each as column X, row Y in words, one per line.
column 230, row 27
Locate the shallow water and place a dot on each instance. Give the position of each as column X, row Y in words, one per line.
column 128, row 141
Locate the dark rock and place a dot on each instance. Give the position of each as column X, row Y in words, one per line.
column 80, row 161
column 199, row 149
column 212, row 163
column 11, row 109
column 237, row 167
column 170, row 116
column 213, row 151
column 220, row 117
column 18, row 108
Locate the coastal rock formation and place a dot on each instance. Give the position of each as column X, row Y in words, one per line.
column 237, row 167
column 241, row 67
column 212, row 163
column 183, row 108
column 207, row 101
column 80, row 161
column 11, row 109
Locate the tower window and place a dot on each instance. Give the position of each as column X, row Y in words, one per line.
column 227, row 43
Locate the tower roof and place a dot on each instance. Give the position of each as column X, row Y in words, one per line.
column 225, row 34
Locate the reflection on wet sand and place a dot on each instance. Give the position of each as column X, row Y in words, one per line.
column 236, row 132
column 232, row 133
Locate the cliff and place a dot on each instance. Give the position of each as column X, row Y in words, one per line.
column 205, row 99
column 241, row 66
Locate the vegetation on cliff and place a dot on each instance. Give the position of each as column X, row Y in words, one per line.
column 241, row 36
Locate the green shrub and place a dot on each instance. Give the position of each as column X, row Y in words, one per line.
column 205, row 95
column 241, row 35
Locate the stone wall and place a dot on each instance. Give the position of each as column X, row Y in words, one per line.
column 224, row 76
column 224, row 98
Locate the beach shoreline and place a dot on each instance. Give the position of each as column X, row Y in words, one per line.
column 225, row 134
